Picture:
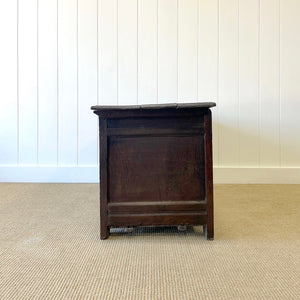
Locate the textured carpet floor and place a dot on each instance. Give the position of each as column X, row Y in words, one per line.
column 50, row 248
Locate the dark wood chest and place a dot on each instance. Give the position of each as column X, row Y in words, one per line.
column 156, row 166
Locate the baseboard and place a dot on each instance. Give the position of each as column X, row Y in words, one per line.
column 90, row 174
column 257, row 175
column 63, row 174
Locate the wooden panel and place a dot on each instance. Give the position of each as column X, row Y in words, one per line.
column 290, row 88
column 147, row 51
column 187, row 50
column 127, row 51
column 157, row 219
column 67, row 82
column 248, row 82
column 269, row 84
column 156, row 207
column 108, row 51
column 209, row 229
column 161, row 168
column 87, row 81
column 156, row 126
column 103, row 178
column 47, row 82
column 228, row 106
column 8, row 79
column 171, row 122
column 167, row 51
column 27, row 42
column 208, row 61
column 149, row 132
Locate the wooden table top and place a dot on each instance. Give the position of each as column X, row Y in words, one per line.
column 100, row 108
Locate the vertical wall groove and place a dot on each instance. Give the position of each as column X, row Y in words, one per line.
column 98, row 148
column 280, row 145
column 97, row 55
column 198, row 50
column 18, row 110
column 157, row 16
column 38, row 91
column 77, row 85
column 218, row 84
column 137, row 52
column 177, row 3
column 238, row 86
column 57, row 83
column 117, row 52
column 258, row 82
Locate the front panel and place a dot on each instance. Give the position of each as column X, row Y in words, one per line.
column 156, row 171
column 155, row 168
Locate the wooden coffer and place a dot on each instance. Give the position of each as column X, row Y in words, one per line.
column 156, row 166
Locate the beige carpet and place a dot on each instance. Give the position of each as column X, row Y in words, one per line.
column 50, row 248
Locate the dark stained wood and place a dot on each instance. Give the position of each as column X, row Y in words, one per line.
column 177, row 123
column 157, row 219
column 209, row 229
column 160, row 168
column 156, row 126
column 104, row 230
column 151, row 132
column 100, row 108
column 113, row 114
column 155, row 166
column 156, row 207
column 159, row 110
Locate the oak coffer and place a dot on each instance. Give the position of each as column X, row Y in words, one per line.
column 156, row 166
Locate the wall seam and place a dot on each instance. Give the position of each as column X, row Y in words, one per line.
column 197, row 90
column 280, row 97
column 37, row 86
column 77, row 79
column 137, row 51
column 18, row 90
column 117, row 52
column 97, row 140
column 97, row 55
column 238, row 87
column 57, row 83
column 218, row 85
column 157, row 8
column 259, row 83
column 177, row 51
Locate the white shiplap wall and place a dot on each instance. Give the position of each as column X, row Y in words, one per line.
column 59, row 57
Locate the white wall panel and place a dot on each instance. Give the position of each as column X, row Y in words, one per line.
column 167, row 51
column 208, row 62
column 87, row 81
column 67, row 82
column 269, row 83
column 127, row 51
column 59, row 57
column 290, row 87
column 27, row 42
column 187, row 50
column 108, row 51
column 147, row 51
column 47, row 82
column 228, row 84
column 208, row 50
column 249, row 82
column 8, row 83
